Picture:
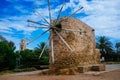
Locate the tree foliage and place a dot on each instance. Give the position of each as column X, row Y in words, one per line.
column 104, row 45
column 117, row 45
column 106, row 49
column 30, row 58
column 45, row 56
column 7, row 57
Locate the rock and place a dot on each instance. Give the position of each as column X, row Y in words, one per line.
column 73, row 71
column 64, row 71
column 98, row 67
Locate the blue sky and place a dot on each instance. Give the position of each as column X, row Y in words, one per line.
column 102, row 15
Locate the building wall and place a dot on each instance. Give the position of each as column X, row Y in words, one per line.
column 83, row 45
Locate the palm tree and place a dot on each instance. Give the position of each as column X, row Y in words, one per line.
column 104, row 45
column 40, row 47
column 45, row 57
column 117, row 47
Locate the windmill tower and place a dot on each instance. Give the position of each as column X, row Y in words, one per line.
column 23, row 45
column 72, row 43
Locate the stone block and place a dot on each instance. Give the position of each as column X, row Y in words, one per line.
column 64, row 71
column 82, row 69
column 88, row 68
column 73, row 71
column 68, row 71
column 98, row 67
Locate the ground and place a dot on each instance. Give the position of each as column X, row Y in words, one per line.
column 112, row 73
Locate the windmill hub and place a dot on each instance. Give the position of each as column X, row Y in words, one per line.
column 58, row 27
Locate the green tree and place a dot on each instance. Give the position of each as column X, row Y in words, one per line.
column 18, row 57
column 117, row 47
column 105, row 46
column 7, row 57
column 11, row 53
column 30, row 58
column 27, row 58
column 3, row 55
column 45, row 56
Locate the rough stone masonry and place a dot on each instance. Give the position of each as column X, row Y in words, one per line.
column 83, row 44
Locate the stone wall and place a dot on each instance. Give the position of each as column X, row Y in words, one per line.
column 83, row 45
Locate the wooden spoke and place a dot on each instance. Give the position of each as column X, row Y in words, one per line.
column 49, row 10
column 37, row 27
column 64, row 41
column 52, row 49
column 60, row 11
column 75, row 12
column 43, row 49
column 38, row 36
column 42, row 17
column 73, row 30
column 37, row 23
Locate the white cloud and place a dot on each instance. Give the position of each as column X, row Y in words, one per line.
column 21, row 9
column 102, row 15
column 15, row 23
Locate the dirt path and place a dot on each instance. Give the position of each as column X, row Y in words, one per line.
column 112, row 75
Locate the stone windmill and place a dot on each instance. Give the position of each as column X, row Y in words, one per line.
column 72, row 44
